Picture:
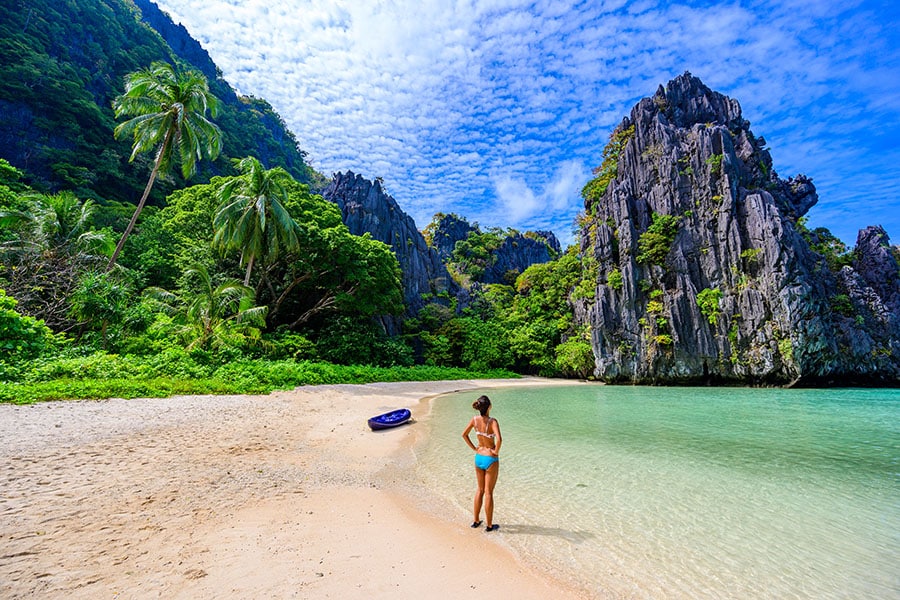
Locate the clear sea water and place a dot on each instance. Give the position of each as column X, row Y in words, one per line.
column 639, row 492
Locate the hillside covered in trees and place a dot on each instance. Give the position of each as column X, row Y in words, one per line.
column 61, row 66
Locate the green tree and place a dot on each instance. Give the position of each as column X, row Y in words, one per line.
column 708, row 300
column 485, row 344
column 472, row 256
column 99, row 301
column 252, row 216
column 540, row 313
column 330, row 270
column 10, row 186
column 336, row 271
column 360, row 341
column 575, row 357
column 49, row 245
column 10, row 176
column 168, row 109
column 187, row 221
column 594, row 189
column 215, row 316
column 60, row 224
column 655, row 243
column 21, row 337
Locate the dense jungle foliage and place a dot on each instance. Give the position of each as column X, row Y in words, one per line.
column 527, row 326
column 174, row 316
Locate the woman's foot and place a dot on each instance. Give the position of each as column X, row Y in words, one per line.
column 476, row 524
column 493, row 527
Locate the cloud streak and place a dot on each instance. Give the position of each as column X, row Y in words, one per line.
column 497, row 109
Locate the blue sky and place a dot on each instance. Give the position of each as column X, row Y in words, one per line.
column 497, row 110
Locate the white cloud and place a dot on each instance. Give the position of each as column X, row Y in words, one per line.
column 518, row 205
column 566, row 185
column 496, row 109
column 517, row 200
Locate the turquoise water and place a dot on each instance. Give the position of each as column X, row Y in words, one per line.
column 639, row 492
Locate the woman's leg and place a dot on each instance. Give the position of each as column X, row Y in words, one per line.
column 490, row 480
column 479, row 494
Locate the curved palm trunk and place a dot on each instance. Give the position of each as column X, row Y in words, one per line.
column 140, row 206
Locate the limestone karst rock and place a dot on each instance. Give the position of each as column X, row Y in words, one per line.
column 447, row 229
column 517, row 251
column 367, row 208
column 704, row 273
column 520, row 251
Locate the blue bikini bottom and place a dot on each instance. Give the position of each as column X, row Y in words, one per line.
column 484, row 462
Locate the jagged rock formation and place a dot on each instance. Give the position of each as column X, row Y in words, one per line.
column 515, row 252
column 518, row 252
column 702, row 271
column 445, row 230
column 366, row 208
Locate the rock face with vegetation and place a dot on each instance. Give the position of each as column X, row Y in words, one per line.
column 495, row 256
column 445, row 230
column 698, row 266
column 367, row 208
column 519, row 251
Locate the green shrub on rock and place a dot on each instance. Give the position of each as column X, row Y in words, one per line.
column 575, row 357
column 654, row 244
column 708, row 301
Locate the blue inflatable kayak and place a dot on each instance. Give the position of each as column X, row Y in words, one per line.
column 390, row 419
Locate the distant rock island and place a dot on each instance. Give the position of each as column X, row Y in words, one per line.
column 705, row 271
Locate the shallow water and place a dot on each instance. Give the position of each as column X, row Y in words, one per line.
column 657, row 492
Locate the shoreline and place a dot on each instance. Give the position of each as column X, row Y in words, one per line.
column 287, row 495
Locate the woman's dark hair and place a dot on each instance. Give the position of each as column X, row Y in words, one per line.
column 482, row 405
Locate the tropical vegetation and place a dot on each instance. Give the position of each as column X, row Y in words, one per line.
column 168, row 109
column 62, row 64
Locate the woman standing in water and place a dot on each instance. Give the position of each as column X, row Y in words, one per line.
column 487, row 460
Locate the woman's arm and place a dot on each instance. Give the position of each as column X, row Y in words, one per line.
column 498, row 439
column 465, row 434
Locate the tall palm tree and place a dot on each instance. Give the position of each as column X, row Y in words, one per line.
column 252, row 216
column 168, row 109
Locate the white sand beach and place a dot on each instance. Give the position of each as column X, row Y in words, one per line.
column 287, row 495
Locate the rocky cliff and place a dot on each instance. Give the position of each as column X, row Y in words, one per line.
column 366, row 208
column 519, row 251
column 508, row 255
column 447, row 229
column 703, row 272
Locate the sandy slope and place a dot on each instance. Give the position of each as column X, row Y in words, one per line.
column 280, row 496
